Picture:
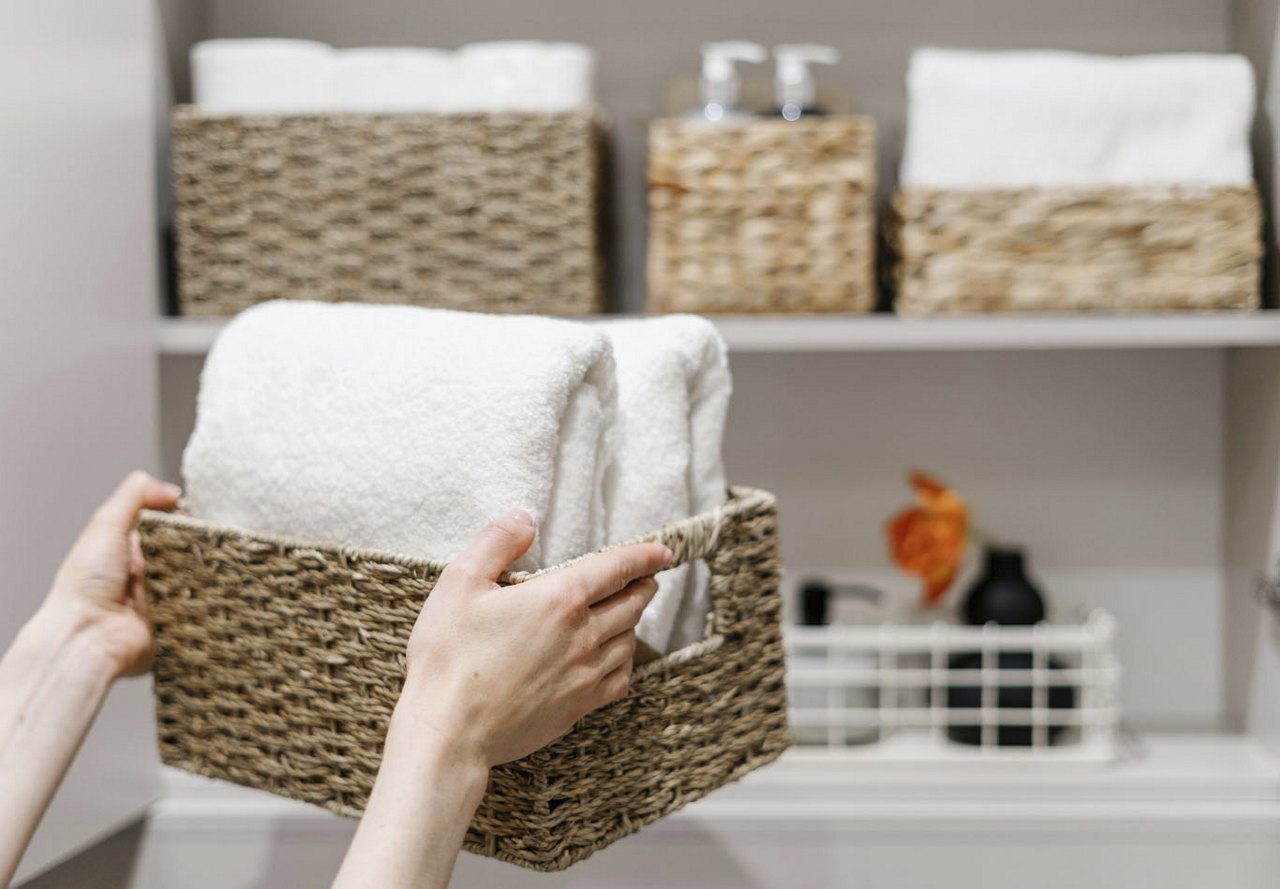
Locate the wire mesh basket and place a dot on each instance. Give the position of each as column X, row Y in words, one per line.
column 942, row 691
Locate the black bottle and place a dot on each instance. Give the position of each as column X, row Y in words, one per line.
column 1004, row 595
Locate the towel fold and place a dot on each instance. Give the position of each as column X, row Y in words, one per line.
column 528, row 75
column 673, row 394
column 256, row 76
column 1013, row 119
column 264, row 75
column 404, row 429
column 396, row 78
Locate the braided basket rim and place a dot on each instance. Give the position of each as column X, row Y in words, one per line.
column 703, row 528
column 1140, row 190
column 189, row 112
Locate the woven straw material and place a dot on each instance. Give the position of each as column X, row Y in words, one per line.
column 763, row 216
column 278, row 664
column 1119, row 249
column 487, row 212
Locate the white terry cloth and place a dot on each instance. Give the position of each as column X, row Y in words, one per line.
column 673, row 394
column 404, row 429
column 396, row 78
column 262, row 75
column 528, row 75
column 1042, row 118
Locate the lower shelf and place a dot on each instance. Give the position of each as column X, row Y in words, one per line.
column 1179, row 772
column 1180, row 811
column 1166, row 769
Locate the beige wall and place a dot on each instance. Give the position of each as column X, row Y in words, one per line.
column 644, row 44
column 77, row 361
column 1252, row 639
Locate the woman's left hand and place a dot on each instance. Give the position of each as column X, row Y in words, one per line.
column 99, row 587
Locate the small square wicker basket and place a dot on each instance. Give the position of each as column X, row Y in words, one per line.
column 1124, row 249
column 762, row 215
column 278, row 664
column 485, row 212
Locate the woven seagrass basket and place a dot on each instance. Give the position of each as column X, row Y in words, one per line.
column 762, row 216
column 486, row 212
column 1065, row 249
column 278, row 664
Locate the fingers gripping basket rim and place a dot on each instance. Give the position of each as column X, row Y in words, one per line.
column 278, row 663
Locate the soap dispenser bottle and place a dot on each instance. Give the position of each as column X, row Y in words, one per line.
column 793, row 81
column 720, row 88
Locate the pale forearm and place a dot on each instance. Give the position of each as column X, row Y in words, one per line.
column 426, row 793
column 53, row 681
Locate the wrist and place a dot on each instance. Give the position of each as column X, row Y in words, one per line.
column 68, row 634
column 425, row 727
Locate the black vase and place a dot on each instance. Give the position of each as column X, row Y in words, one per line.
column 1008, row 697
column 1003, row 595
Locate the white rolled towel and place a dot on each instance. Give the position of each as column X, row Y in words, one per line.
column 1044, row 118
column 673, row 395
column 397, row 78
column 528, row 75
column 403, row 429
column 261, row 76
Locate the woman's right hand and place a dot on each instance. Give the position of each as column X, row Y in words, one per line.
column 499, row 672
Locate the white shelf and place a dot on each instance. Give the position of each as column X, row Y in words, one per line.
column 876, row 333
column 873, row 333
column 187, row 336
column 1165, row 775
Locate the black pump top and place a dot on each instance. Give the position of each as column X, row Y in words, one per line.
column 1004, row 562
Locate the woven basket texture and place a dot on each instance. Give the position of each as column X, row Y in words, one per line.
column 1118, row 249
column 278, row 664
column 486, row 212
column 762, row 216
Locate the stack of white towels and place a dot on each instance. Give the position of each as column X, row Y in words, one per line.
column 261, row 76
column 1042, row 118
column 407, row 429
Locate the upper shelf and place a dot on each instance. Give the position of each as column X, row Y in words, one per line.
column 876, row 333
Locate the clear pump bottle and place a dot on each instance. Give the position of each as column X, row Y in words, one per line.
column 794, row 91
column 720, row 88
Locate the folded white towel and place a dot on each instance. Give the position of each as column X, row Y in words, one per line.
column 528, row 75
column 396, row 78
column 260, row 76
column 673, row 393
column 1010, row 119
column 403, row 429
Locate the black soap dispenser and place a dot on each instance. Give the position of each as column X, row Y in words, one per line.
column 794, row 93
column 816, row 611
column 815, row 599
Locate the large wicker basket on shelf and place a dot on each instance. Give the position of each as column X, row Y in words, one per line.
column 1064, row 249
column 762, row 216
column 488, row 212
column 278, row 664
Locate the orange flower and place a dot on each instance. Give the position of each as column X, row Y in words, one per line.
column 929, row 540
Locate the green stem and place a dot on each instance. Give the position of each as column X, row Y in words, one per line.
column 982, row 538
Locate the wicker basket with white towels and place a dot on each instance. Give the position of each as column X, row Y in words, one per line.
column 1039, row 181
column 343, row 453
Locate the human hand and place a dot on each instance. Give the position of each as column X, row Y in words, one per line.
column 503, row 671
column 99, row 588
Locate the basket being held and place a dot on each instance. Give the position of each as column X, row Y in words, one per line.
column 343, row 454
column 278, row 665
